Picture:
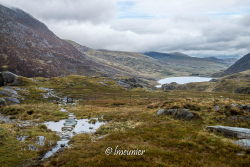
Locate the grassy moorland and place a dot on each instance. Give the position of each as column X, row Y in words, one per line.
column 132, row 123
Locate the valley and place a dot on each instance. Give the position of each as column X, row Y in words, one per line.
column 63, row 104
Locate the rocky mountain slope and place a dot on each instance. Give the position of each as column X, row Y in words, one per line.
column 185, row 63
column 242, row 64
column 29, row 48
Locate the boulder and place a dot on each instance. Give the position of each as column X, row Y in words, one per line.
column 8, row 78
column 171, row 86
column 183, row 114
column 235, row 132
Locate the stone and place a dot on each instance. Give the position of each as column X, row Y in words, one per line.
column 41, row 140
column 8, row 91
column 70, row 100
column 171, row 86
column 216, row 108
column 8, row 78
column 244, row 143
column 131, row 83
column 11, row 100
column 161, row 111
column 22, row 138
column 184, row 114
column 32, row 147
column 235, row 132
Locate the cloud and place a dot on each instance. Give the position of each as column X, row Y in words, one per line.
column 199, row 28
column 70, row 10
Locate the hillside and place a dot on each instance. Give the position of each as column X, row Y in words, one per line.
column 29, row 48
column 242, row 64
column 150, row 65
column 185, row 63
column 130, row 62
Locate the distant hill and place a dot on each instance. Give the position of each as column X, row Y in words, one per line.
column 131, row 62
column 193, row 65
column 242, row 64
column 228, row 61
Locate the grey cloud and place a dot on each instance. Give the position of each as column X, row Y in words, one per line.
column 95, row 23
column 67, row 10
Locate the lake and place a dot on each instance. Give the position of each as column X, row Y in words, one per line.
column 182, row 80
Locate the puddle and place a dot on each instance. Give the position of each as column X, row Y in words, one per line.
column 67, row 128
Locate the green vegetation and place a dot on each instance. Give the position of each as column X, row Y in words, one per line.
column 14, row 152
column 38, row 112
column 132, row 123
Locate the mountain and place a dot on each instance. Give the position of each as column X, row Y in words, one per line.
column 193, row 65
column 29, row 48
column 133, row 63
column 242, row 64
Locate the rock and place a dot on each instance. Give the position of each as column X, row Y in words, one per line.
column 171, row 86
column 244, row 143
column 70, row 100
column 130, row 83
column 11, row 100
column 161, row 111
column 41, row 140
column 184, row 114
column 235, row 132
column 70, row 122
column 216, row 108
column 32, row 147
column 214, row 80
column 245, row 107
column 8, row 78
column 8, row 91
column 2, row 102
column 22, row 138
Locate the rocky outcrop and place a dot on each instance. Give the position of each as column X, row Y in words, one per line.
column 130, row 83
column 9, row 78
column 171, row 86
column 183, row 114
column 235, row 132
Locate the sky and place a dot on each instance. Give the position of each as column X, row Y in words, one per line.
column 195, row 27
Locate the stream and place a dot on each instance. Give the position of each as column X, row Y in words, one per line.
column 67, row 128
